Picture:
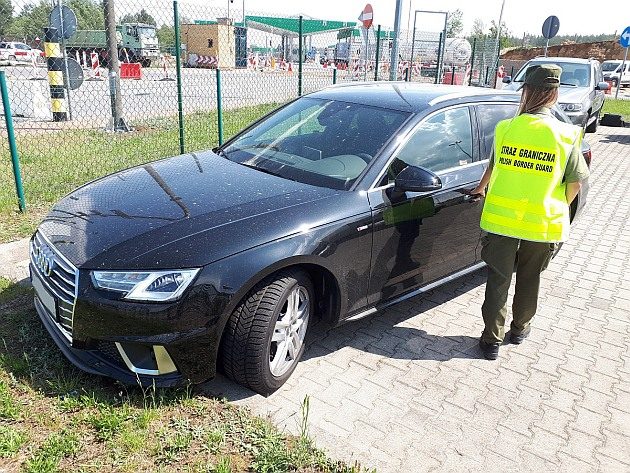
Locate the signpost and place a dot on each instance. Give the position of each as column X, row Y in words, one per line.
column 65, row 20
column 624, row 41
column 550, row 29
column 366, row 17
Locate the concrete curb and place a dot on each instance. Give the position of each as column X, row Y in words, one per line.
column 14, row 260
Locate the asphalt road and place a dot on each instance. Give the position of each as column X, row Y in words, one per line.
column 152, row 96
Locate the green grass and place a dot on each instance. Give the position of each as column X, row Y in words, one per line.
column 11, row 440
column 55, row 162
column 617, row 107
column 56, row 447
column 10, row 291
column 54, row 417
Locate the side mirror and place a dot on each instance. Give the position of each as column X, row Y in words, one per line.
column 602, row 86
column 507, row 79
column 416, row 179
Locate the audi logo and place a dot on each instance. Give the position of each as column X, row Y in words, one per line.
column 45, row 262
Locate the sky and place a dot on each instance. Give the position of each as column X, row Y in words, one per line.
column 576, row 17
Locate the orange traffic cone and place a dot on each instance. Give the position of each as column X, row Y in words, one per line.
column 290, row 69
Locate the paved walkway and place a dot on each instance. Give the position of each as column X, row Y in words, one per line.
column 405, row 390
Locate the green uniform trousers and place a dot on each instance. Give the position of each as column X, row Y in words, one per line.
column 502, row 255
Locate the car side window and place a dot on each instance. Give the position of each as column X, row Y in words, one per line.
column 489, row 116
column 443, row 141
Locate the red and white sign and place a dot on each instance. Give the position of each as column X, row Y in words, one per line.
column 366, row 16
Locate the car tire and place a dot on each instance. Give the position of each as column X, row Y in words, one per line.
column 264, row 337
column 592, row 128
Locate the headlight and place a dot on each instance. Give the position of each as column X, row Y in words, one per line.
column 571, row 107
column 155, row 286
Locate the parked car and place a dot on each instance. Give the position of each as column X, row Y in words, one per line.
column 336, row 205
column 14, row 52
column 612, row 72
column 582, row 88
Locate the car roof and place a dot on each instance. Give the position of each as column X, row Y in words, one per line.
column 410, row 96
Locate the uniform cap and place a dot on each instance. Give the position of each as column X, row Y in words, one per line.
column 546, row 76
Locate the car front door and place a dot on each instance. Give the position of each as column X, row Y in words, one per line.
column 422, row 237
column 598, row 95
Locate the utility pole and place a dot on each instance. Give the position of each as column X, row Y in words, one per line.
column 496, row 43
column 393, row 62
column 114, row 66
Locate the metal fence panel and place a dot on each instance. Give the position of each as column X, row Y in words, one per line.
column 67, row 136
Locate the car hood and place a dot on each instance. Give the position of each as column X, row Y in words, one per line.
column 568, row 94
column 167, row 213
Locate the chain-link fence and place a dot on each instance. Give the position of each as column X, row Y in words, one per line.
column 113, row 89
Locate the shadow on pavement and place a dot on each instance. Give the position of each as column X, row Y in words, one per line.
column 623, row 139
column 378, row 334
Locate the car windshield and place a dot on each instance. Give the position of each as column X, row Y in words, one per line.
column 148, row 33
column 325, row 143
column 610, row 66
column 575, row 75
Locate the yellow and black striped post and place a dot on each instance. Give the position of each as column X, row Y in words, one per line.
column 54, row 61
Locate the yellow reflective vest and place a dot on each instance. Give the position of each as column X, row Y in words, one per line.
column 526, row 193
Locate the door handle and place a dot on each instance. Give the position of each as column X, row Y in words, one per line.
column 472, row 198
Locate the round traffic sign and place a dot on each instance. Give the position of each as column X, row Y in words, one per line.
column 75, row 74
column 64, row 20
column 550, row 27
column 367, row 15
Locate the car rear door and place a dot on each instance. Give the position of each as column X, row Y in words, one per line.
column 420, row 238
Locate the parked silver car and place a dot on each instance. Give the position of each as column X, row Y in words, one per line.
column 582, row 88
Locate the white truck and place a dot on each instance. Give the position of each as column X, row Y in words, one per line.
column 613, row 73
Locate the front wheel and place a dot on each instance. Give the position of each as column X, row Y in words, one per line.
column 264, row 337
column 592, row 128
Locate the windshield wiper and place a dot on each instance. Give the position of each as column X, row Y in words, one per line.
column 266, row 171
column 258, row 146
column 565, row 83
column 220, row 152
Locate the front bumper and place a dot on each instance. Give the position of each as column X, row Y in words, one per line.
column 100, row 361
column 578, row 118
column 164, row 345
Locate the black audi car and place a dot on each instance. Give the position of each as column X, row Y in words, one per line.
column 335, row 205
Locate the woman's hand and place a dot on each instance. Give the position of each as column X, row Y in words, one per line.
column 480, row 191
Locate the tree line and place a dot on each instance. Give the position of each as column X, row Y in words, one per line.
column 455, row 28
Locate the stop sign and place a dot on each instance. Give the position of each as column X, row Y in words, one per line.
column 366, row 16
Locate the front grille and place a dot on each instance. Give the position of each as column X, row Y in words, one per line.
column 59, row 276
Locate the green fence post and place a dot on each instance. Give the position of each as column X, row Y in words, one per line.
column 378, row 51
column 301, row 58
column 178, row 69
column 12, row 146
column 472, row 61
column 219, row 107
column 438, row 67
column 335, row 75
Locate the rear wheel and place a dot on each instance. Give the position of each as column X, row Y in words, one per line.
column 264, row 337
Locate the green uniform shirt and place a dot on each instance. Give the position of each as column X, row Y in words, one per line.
column 576, row 170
